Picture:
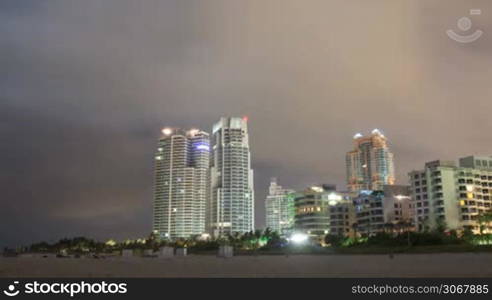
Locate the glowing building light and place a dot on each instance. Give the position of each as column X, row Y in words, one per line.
column 317, row 189
column 204, row 236
column 299, row 238
column 193, row 131
column 203, row 147
column 335, row 197
column 167, row 131
column 245, row 118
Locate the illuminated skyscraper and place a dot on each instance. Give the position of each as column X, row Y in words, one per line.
column 280, row 211
column 370, row 165
column 181, row 183
column 231, row 207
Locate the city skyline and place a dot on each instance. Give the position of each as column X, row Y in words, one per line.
column 83, row 102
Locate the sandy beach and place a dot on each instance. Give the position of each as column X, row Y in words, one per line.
column 404, row 265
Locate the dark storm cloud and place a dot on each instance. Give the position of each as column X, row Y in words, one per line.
column 86, row 85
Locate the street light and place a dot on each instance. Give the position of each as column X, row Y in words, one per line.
column 299, row 238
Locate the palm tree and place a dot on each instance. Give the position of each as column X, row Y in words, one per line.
column 267, row 233
column 484, row 220
column 355, row 227
column 405, row 225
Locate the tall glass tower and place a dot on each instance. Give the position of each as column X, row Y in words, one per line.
column 181, row 183
column 370, row 165
column 231, row 207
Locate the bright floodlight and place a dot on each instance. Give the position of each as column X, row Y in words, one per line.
column 357, row 135
column 167, row 131
column 334, row 198
column 204, row 237
column 299, row 238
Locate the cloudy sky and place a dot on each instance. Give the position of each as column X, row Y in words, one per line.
column 85, row 87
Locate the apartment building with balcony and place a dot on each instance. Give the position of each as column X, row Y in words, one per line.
column 455, row 196
column 181, row 183
column 320, row 210
column 389, row 209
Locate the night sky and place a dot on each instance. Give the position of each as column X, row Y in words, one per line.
column 85, row 87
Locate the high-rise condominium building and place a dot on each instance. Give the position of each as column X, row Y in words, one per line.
column 181, row 183
column 370, row 165
column 321, row 211
column 280, row 210
column 231, row 207
column 388, row 209
column 454, row 196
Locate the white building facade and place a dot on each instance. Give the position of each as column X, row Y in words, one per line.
column 181, row 185
column 231, row 204
column 454, row 195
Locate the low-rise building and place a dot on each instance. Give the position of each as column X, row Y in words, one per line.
column 321, row 211
column 453, row 196
column 390, row 209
